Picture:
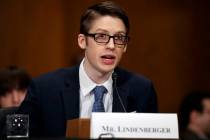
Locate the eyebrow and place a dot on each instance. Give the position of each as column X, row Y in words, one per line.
column 105, row 31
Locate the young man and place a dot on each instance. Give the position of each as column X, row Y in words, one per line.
column 96, row 84
column 13, row 86
column 195, row 116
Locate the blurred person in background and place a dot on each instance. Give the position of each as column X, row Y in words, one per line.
column 13, row 86
column 194, row 116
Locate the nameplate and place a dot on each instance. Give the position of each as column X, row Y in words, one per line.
column 134, row 125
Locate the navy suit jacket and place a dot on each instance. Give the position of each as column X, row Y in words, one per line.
column 53, row 99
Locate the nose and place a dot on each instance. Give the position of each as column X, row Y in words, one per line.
column 16, row 98
column 111, row 44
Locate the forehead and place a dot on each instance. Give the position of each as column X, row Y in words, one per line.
column 108, row 24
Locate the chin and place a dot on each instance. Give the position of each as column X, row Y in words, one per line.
column 108, row 69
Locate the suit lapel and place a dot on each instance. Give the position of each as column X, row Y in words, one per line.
column 120, row 92
column 70, row 94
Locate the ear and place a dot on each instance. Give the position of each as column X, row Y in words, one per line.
column 82, row 41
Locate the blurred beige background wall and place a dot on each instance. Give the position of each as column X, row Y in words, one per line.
column 170, row 41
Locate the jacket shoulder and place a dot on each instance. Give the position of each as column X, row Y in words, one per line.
column 56, row 77
column 131, row 77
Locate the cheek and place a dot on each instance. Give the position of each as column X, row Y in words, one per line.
column 22, row 96
column 91, row 53
column 205, row 120
column 208, row 118
column 92, row 50
column 5, row 101
column 120, row 53
column 22, row 93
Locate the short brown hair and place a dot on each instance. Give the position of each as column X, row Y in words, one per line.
column 102, row 9
column 13, row 77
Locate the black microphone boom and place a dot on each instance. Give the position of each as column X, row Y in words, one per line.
column 114, row 78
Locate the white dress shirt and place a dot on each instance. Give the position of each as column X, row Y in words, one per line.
column 87, row 99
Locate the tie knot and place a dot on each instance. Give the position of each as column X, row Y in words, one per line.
column 98, row 92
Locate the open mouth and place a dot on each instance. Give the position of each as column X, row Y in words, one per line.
column 108, row 59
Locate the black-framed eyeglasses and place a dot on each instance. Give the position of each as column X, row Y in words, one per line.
column 119, row 40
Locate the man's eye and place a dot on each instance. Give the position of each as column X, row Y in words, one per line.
column 101, row 35
column 119, row 37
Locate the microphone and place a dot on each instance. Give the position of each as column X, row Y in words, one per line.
column 114, row 78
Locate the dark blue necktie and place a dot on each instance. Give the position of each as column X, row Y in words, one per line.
column 98, row 92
